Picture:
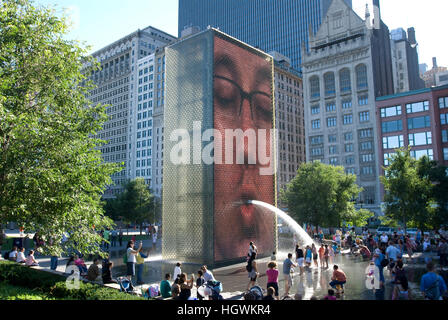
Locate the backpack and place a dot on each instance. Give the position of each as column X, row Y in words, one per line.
column 433, row 292
column 6, row 255
column 384, row 262
column 125, row 258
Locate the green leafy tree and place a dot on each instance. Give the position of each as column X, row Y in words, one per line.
column 322, row 195
column 137, row 203
column 52, row 175
column 408, row 195
column 437, row 181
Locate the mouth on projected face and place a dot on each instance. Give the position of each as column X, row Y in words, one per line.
column 247, row 210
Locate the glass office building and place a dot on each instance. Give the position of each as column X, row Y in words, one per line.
column 281, row 26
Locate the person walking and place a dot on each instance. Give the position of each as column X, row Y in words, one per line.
column 287, row 265
column 432, row 285
column 177, row 272
column 272, row 275
column 326, row 256
column 253, row 271
column 299, row 258
column 106, row 235
column 120, row 238
column 315, row 255
column 113, row 238
column 154, row 241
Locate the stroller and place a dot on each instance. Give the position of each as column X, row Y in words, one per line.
column 125, row 285
column 213, row 288
column 257, row 292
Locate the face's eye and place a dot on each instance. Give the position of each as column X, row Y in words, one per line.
column 226, row 92
column 262, row 105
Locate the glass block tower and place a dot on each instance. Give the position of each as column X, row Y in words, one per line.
column 281, row 26
column 219, row 94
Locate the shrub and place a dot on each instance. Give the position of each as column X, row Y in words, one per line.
column 54, row 285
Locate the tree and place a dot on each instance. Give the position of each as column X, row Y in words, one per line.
column 407, row 194
column 437, row 175
column 321, row 195
column 52, row 175
column 137, row 202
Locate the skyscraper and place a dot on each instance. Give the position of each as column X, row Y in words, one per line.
column 280, row 26
column 130, row 102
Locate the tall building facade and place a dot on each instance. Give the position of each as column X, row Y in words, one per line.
column 418, row 119
column 118, row 86
column 345, row 69
column 289, row 118
column 405, row 61
column 280, row 26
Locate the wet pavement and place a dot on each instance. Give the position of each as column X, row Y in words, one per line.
column 313, row 282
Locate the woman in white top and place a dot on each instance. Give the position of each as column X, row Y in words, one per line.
column 132, row 259
column 21, row 256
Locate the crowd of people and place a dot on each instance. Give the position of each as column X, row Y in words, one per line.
column 384, row 252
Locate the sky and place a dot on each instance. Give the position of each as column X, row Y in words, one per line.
column 101, row 22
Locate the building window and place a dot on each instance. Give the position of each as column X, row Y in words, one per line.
column 361, row 77
column 350, row 171
column 314, row 87
column 367, row 171
column 365, row 133
column 332, row 138
column 366, row 146
column 334, row 161
column 420, row 139
column 315, row 109
column 349, row 147
column 390, row 112
column 348, row 136
column 444, row 118
column 367, row 158
column 393, row 142
column 364, row 116
column 346, row 104
column 392, row 126
column 363, row 100
column 443, row 103
column 315, row 124
column 445, row 153
column 331, row 122
column 317, row 140
column 444, row 136
column 317, row 151
column 333, row 150
column 417, row 154
column 417, row 107
column 330, row 106
column 350, row 160
column 329, row 84
column 348, row 119
column 388, row 157
column 344, row 81
column 419, row 122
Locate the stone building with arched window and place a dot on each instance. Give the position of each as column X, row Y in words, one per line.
column 347, row 66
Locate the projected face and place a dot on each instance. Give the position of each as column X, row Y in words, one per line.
column 242, row 101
